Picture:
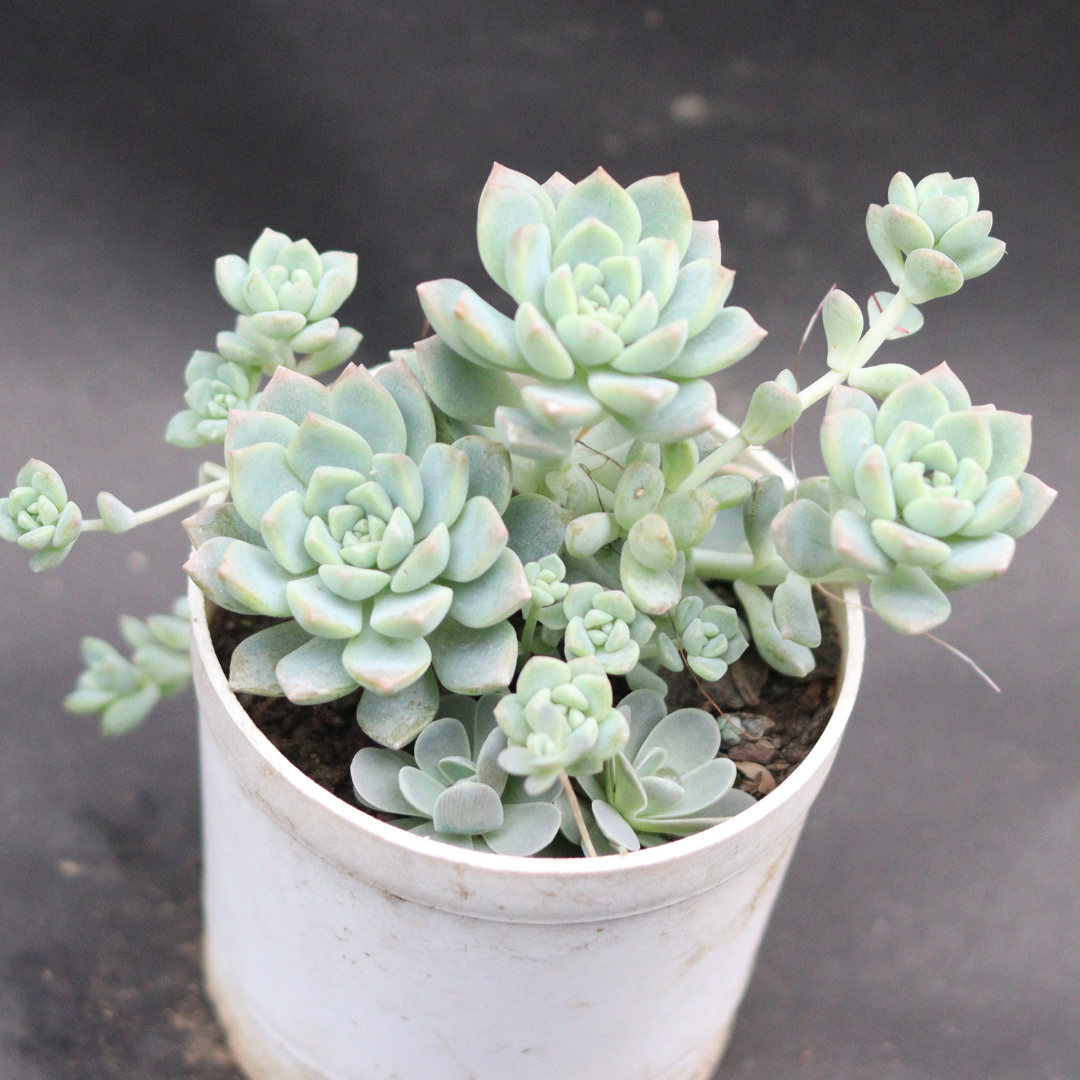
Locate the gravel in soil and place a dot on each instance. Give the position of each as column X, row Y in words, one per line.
column 782, row 717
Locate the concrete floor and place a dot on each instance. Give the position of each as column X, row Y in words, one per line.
column 930, row 925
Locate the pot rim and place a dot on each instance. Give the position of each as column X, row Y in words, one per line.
column 848, row 615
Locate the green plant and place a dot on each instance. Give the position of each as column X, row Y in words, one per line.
column 484, row 531
column 452, row 787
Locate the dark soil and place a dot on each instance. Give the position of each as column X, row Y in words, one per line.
column 782, row 717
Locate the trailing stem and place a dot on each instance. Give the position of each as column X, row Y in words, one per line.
column 163, row 509
column 869, row 344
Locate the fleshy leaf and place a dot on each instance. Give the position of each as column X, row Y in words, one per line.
column 374, row 774
column 494, row 596
column 909, row 601
column 314, row 673
column 360, row 403
column 252, row 669
column 394, row 720
column 474, row 661
column 385, row 665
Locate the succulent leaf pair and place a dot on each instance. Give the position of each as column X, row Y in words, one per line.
column 931, row 236
column 452, row 788
column 384, row 547
column 620, row 312
column 38, row 516
column 667, row 780
column 125, row 691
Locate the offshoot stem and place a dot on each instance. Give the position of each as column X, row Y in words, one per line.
column 579, row 817
column 529, row 630
column 869, row 344
column 163, row 509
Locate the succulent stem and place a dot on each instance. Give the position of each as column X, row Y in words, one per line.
column 869, row 344
column 178, row 502
column 529, row 630
column 579, row 817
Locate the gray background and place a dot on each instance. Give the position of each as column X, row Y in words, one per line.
column 930, row 925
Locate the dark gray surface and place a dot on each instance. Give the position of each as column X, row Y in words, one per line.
column 929, row 925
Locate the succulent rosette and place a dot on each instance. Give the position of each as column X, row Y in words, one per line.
column 39, row 517
column 928, row 493
column 667, row 780
column 214, row 386
column 385, row 549
column 620, row 312
column 932, row 236
column 125, row 691
column 452, row 788
column 290, row 291
column 560, row 719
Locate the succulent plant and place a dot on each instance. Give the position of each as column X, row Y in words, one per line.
column 382, row 545
column 666, row 782
column 39, row 517
column 599, row 624
column 710, row 638
column 290, row 292
column 451, row 788
column 286, row 293
column 383, row 520
column 214, row 386
column 932, row 236
column 125, row 691
column 620, row 312
column 559, row 720
column 927, row 493
column 654, row 525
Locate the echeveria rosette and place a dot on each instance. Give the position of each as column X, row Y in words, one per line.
column 559, row 719
column 598, row 622
column 39, row 517
column 932, row 236
column 451, row 788
column 288, row 289
column 709, row 637
column 382, row 544
column 666, row 782
column 620, row 311
column 125, row 691
column 214, row 387
column 928, row 494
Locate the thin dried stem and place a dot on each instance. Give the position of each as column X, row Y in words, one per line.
column 795, row 371
column 701, row 686
column 579, row 817
column 926, row 633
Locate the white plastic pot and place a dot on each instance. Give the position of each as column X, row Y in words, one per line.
column 341, row 948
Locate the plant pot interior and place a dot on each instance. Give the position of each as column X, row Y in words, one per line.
column 781, row 717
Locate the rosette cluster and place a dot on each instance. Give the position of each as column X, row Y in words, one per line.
column 560, row 719
column 386, row 549
column 932, row 236
column 38, row 516
column 928, row 494
column 620, row 312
